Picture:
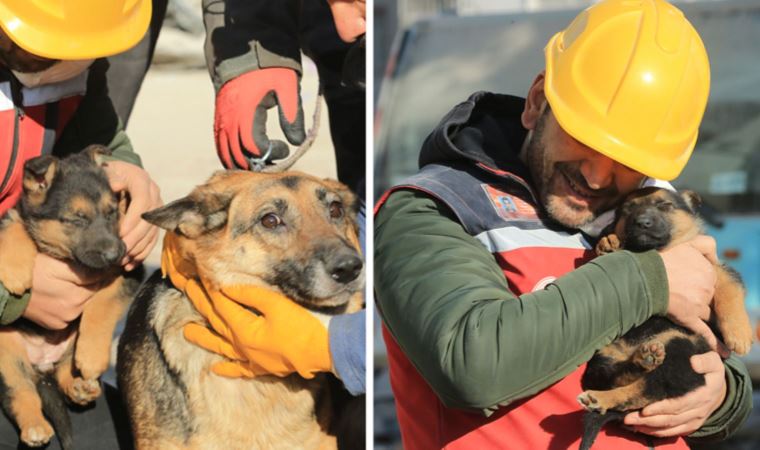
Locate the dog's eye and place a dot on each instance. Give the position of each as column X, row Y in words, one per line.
column 336, row 210
column 271, row 220
column 665, row 206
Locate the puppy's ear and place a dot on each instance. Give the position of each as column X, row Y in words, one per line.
column 97, row 153
column 692, row 199
column 192, row 216
column 38, row 176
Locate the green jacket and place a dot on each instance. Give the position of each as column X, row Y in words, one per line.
column 94, row 122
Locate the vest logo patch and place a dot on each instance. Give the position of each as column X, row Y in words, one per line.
column 542, row 283
column 509, row 207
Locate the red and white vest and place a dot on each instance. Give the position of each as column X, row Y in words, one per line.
column 31, row 129
column 499, row 210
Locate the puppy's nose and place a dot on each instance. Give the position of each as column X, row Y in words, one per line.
column 644, row 221
column 345, row 269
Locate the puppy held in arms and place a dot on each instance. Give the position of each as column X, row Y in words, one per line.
column 67, row 211
column 651, row 362
column 288, row 233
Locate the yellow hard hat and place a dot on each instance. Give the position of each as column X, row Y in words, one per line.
column 630, row 79
column 75, row 29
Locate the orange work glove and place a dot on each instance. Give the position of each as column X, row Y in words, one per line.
column 240, row 116
column 285, row 338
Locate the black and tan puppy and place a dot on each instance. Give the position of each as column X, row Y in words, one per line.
column 289, row 232
column 652, row 361
column 67, row 211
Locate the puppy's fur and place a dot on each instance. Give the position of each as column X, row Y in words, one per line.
column 288, row 232
column 67, row 211
column 652, row 361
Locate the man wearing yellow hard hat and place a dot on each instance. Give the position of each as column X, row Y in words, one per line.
column 490, row 301
column 54, row 100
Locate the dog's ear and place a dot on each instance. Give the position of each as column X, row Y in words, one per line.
column 198, row 213
column 350, row 200
column 692, row 199
column 38, row 176
column 97, row 153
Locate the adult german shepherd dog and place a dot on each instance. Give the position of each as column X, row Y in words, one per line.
column 651, row 362
column 67, row 211
column 290, row 232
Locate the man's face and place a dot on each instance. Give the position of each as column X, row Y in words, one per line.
column 575, row 183
column 15, row 58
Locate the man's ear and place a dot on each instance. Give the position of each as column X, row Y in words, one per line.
column 38, row 175
column 534, row 102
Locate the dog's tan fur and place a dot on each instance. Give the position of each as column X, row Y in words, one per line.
column 220, row 236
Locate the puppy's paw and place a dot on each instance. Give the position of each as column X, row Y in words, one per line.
column 16, row 279
column 37, row 434
column 590, row 400
column 82, row 391
column 650, row 355
column 607, row 244
column 91, row 358
column 738, row 336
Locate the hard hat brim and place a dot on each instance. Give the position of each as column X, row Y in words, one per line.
column 79, row 44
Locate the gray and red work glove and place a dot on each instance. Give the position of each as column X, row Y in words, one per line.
column 241, row 114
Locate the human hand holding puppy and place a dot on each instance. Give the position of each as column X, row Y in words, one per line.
column 684, row 415
column 690, row 269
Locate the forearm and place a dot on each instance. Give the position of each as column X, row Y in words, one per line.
column 735, row 409
column 347, row 336
column 263, row 34
column 447, row 304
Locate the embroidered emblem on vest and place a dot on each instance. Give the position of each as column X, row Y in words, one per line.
column 509, row 207
column 543, row 282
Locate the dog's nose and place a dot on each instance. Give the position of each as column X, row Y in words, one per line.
column 346, row 269
column 644, row 221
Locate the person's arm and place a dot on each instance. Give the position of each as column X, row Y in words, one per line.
column 347, row 336
column 245, row 35
column 447, row 304
column 11, row 306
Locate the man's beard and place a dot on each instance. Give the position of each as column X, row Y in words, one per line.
column 546, row 175
column 19, row 60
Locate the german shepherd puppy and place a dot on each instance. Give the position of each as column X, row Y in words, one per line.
column 289, row 232
column 651, row 362
column 68, row 211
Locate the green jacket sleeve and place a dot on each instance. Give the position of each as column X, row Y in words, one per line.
column 11, row 306
column 245, row 35
column 96, row 121
column 447, row 304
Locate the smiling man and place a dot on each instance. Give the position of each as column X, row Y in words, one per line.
column 484, row 275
